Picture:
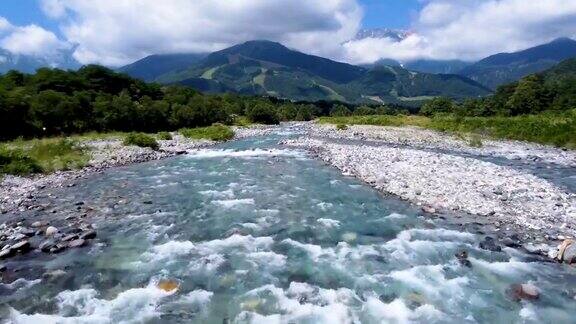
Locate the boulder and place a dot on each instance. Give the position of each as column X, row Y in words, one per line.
column 46, row 246
column 38, row 224
column 463, row 259
column 6, row 253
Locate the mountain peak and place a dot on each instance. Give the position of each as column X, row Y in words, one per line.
column 562, row 40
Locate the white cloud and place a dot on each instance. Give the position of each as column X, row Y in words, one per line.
column 116, row 32
column 29, row 40
column 470, row 30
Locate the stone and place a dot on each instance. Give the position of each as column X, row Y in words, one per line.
column 51, row 230
column 147, row 202
column 3, row 268
column 22, row 247
column 429, row 209
column 77, row 243
column 46, row 246
column 38, row 224
column 6, row 253
column 463, row 259
column 79, row 203
column 28, row 232
column 567, row 252
column 489, row 244
column 58, row 248
column 526, row 291
column 69, row 238
column 88, row 235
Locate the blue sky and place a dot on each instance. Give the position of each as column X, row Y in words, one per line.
column 389, row 13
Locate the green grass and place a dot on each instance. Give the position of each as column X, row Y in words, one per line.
column 242, row 121
column 141, row 140
column 558, row 129
column 216, row 132
column 165, row 136
column 341, row 127
column 22, row 157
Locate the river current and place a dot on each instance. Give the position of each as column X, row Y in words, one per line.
column 253, row 232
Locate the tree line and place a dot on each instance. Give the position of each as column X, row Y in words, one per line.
column 533, row 94
column 95, row 98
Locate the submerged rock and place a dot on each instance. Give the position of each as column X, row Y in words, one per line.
column 77, row 243
column 88, row 235
column 463, row 259
column 567, row 252
column 489, row 243
column 523, row 292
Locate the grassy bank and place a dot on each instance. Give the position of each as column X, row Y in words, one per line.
column 552, row 129
column 215, row 132
column 22, row 157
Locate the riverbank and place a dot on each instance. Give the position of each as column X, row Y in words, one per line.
column 443, row 174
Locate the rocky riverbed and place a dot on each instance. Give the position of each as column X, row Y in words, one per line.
column 442, row 173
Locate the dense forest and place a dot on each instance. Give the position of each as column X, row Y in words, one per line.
column 94, row 98
column 551, row 91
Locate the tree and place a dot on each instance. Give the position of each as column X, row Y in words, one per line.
column 437, row 105
column 530, row 96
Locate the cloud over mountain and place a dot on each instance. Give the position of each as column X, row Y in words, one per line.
column 29, row 40
column 455, row 29
column 116, row 32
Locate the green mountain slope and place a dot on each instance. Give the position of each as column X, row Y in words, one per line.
column 268, row 68
column 153, row 66
column 508, row 67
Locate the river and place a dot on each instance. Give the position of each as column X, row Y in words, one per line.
column 253, row 232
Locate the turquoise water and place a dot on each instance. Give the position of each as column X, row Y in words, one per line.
column 258, row 233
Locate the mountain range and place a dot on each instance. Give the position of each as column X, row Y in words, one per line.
column 504, row 68
column 29, row 64
column 269, row 68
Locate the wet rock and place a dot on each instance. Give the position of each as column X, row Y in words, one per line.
column 69, row 238
column 3, row 268
column 429, row 209
column 88, row 235
column 46, row 246
column 518, row 292
column 74, row 231
column 54, row 274
column 77, row 243
column 489, row 244
column 22, row 247
column 28, row 232
column 463, row 259
column 147, row 202
column 567, row 252
column 58, row 248
column 51, row 230
column 6, row 253
column 79, row 203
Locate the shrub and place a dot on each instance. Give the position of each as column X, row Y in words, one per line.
column 216, row 132
column 475, row 141
column 341, row 127
column 16, row 162
column 141, row 140
column 57, row 154
column 164, row 136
